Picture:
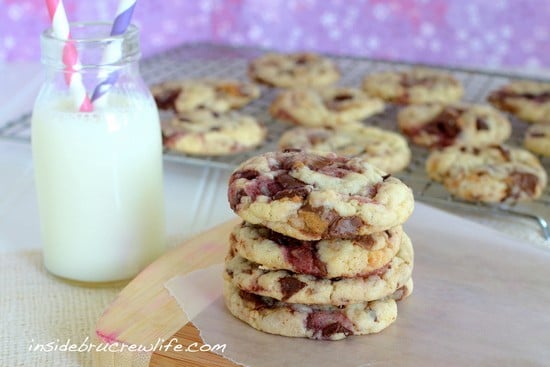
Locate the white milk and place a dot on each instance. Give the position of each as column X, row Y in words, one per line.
column 99, row 185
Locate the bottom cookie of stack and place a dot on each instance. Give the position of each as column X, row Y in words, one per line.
column 324, row 322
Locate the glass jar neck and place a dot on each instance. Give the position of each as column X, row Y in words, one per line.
column 91, row 48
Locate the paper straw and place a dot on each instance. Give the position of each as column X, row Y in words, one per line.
column 112, row 51
column 61, row 30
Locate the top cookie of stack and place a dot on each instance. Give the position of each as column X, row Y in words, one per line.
column 318, row 196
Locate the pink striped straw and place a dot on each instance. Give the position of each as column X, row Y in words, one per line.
column 112, row 52
column 61, row 30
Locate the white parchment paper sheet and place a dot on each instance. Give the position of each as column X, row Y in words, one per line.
column 480, row 299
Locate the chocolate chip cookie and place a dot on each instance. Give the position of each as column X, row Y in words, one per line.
column 322, row 322
column 537, row 139
column 293, row 70
column 287, row 286
column 489, row 174
column 325, row 258
column 413, row 86
column 440, row 125
column 528, row 100
column 215, row 95
column 206, row 132
column 332, row 106
column 384, row 149
column 313, row 196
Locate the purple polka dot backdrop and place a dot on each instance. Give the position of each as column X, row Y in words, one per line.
column 471, row 33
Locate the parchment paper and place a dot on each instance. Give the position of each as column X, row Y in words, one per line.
column 480, row 299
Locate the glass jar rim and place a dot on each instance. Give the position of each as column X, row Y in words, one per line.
column 131, row 31
column 91, row 41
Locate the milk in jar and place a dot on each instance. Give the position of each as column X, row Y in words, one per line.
column 98, row 174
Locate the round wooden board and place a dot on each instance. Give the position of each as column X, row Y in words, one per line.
column 144, row 312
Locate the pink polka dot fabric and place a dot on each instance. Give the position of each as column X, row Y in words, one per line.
column 471, row 33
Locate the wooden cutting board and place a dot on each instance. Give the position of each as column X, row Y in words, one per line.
column 144, row 312
column 468, row 279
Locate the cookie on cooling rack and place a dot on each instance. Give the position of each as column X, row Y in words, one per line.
column 384, row 149
column 489, row 174
column 322, row 322
column 206, row 132
column 287, row 286
column 537, row 139
column 413, row 86
column 313, row 196
column 331, row 106
column 528, row 100
column 293, row 70
column 325, row 258
column 440, row 125
column 215, row 95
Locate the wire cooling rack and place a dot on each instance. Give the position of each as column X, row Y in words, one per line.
column 216, row 61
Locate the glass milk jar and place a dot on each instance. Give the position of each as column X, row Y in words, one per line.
column 98, row 169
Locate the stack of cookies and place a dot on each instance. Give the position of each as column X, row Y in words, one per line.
column 321, row 253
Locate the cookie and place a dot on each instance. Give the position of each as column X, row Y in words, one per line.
column 237, row 94
column 384, row 149
column 413, row 86
column 313, row 196
column 293, row 70
column 284, row 285
column 325, row 258
column 528, row 100
column 489, row 174
column 332, row 106
column 439, row 125
column 205, row 132
column 215, row 95
column 537, row 139
column 322, row 322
